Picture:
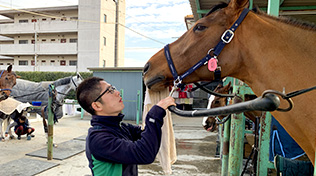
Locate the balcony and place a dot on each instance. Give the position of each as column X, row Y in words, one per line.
column 40, row 49
column 41, row 68
column 39, row 27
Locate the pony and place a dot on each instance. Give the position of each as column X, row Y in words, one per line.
column 28, row 91
column 7, row 81
column 209, row 123
column 265, row 52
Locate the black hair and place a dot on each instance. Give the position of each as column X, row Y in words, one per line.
column 87, row 92
column 23, row 118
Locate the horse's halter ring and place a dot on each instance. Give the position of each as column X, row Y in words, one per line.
column 1, row 90
column 225, row 39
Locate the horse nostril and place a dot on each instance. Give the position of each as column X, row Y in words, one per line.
column 146, row 68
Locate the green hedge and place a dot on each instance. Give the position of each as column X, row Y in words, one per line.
column 37, row 76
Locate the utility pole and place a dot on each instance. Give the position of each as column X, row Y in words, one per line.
column 116, row 45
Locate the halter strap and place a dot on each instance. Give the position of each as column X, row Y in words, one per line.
column 228, row 35
column 1, row 73
column 72, row 80
column 225, row 39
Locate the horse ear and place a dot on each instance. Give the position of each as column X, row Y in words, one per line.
column 9, row 69
column 239, row 4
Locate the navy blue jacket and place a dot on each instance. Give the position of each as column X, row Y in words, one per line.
column 110, row 143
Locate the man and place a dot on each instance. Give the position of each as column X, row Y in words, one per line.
column 113, row 147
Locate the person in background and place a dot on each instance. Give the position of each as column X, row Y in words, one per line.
column 113, row 147
column 21, row 127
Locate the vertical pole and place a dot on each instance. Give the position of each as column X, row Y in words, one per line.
column 50, row 124
column 225, row 148
column 82, row 113
column 314, row 166
column 122, row 95
column 273, row 7
column 236, row 144
column 137, row 107
column 116, row 45
column 264, row 140
column 236, row 139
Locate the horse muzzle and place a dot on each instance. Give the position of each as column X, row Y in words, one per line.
column 3, row 96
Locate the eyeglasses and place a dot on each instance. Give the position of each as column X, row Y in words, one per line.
column 110, row 89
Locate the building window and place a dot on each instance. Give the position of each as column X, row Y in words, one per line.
column 43, row 40
column 63, row 62
column 62, row 40
column 33, row 41
column 1, row 63
column 23, row 21
column 104, row 18
column 104, row 41
column 23, row 62
column 43, row 19
column 72, row 62
column 53, row 19
column 74, row 40
column 43, row 62
column 23, row 41
column 63, row 19
column 52, row 62
column 34, row 20
column 52, row 40
column 33, row 62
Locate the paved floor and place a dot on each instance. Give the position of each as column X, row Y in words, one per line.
column 195, row 149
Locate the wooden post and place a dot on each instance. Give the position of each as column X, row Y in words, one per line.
column 50, row 124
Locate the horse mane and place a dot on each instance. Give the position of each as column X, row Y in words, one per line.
column 216, row 7
column 62, row 81
column 288, row 20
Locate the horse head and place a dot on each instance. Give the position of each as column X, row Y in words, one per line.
column 76, row 80
column 209, row 123
column 7, row 81
column 195, row 44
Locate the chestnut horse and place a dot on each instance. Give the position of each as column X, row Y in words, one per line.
column 264, row 53
column 7, row 81
column 209, row 123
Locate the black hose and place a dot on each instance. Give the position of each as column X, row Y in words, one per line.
column 270, row 102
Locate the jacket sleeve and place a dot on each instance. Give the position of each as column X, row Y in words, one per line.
column 135, row 131
column 109, row 147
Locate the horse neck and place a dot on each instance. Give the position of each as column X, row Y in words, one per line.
column 273, row 50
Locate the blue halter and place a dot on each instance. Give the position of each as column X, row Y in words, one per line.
column 225, row 39
column 4, row 89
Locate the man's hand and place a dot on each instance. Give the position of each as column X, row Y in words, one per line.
column 165, row 103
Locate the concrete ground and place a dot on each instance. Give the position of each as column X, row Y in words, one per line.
column 195, row 149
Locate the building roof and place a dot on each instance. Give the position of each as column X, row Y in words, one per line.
column 10, row 13
column 116, row 69
column 302, row 9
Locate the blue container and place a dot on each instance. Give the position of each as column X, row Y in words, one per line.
column 36, row 103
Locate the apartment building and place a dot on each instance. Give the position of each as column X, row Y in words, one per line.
column 66, row 38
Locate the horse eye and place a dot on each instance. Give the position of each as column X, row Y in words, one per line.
column 199, row 27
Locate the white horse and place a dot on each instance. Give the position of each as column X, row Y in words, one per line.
column 28, row 91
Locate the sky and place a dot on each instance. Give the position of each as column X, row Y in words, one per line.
column 161, row 21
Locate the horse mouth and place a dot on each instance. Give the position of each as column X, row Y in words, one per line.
column 153, row 83
column 210, row 128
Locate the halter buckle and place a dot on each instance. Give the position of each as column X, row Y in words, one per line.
column 177, row 81
column 227, row 36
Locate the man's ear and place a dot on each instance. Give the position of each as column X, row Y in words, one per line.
column 96, row 106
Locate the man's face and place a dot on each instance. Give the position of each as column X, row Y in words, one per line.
column 112, row 103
